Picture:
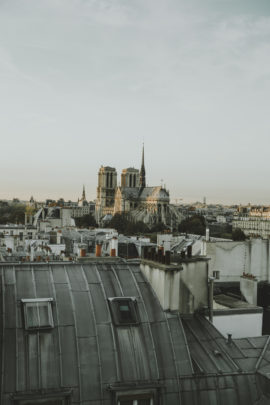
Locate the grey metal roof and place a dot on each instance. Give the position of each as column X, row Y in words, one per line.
column 143, row 193
column 87, row 354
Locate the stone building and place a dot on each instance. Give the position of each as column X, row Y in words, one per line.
column 83, row 207
column 107, row 184
column 254, row 221
column 148, row 204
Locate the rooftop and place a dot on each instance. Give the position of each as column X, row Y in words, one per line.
column 96, row 330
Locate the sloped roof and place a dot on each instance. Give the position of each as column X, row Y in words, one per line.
column 90, row 356
column 146, row 192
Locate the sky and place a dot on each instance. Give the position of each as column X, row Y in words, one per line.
column 83, row 83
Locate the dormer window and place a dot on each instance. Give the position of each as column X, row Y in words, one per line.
column 124, row 310
column 37, row 313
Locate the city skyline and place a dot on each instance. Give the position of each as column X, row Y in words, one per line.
column 84, row 83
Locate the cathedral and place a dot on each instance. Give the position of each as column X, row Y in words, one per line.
column 148, row 204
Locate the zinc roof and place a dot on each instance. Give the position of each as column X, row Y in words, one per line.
column 86, row 354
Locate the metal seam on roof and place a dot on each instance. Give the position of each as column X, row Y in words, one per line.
column 116, row 354
column 148, row 323
column 174, row 359
column 76, row 334
column 96, row 332
column 58, row 329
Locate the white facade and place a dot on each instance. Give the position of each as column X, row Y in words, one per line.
column 239, row 325
column 253, row 225
column 182, row 287
column 232, row 259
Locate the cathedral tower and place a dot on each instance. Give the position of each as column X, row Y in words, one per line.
column 130, row 177
column 107, row 184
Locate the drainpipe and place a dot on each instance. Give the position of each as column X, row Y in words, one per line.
column 211, row 297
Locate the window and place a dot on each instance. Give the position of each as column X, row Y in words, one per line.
column 124, row 310
column 38, row 313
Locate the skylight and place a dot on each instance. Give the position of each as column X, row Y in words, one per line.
column 38, row 313
column 124, row 310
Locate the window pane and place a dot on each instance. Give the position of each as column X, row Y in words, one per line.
column 44, row 314
column 125, row 312
column 32, row 315
column 38, row 315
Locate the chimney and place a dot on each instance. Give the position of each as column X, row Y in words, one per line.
column 98, row 249
column 189, row 250
column 207, row 235
column 114, row 245
column 229, row 341
column 82, row 252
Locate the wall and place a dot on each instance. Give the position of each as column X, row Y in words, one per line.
column 239, row 325
column 249, row 288
column 165, row 281
column 194, row 286
column 183, row 287
column 234, row 258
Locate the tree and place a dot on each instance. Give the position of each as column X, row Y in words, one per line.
column 85, row 221
column 159, row 227
column 238, row 234
column 13, row 214
column 119, row 222
column 194, row 224
column 124, row 225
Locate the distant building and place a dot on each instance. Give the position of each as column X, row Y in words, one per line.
column 83, row 207
column 148, row 204
column 253, row 221
column 107, row 184
column 47, row 218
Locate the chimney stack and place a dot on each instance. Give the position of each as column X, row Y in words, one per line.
column 98, row 249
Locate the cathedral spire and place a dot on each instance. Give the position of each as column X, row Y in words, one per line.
column 83, row 193
column 142, row 173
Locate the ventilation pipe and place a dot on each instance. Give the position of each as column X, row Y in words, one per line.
column 211, row 297
column 114, row 245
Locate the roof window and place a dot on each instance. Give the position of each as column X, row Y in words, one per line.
column 124, row 310
column 38, row 313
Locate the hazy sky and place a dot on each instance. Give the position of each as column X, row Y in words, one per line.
column 83, row 83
